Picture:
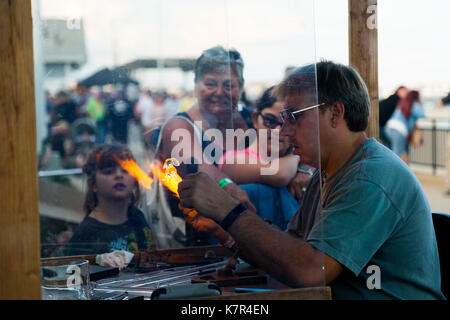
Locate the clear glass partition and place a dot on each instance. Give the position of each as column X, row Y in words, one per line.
column 188, row 85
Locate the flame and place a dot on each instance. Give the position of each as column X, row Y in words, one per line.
column 170, row 178
column 137, row 172
column 167, row 175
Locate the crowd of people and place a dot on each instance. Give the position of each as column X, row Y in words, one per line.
column 83, row 118
column 338, row 203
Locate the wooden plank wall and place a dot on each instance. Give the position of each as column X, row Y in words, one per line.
column 363, row 47
column 19, row 216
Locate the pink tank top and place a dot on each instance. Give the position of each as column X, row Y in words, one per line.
column 233, row 153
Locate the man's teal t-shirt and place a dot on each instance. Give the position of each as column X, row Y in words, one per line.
column 376, row 221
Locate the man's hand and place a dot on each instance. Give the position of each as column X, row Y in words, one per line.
column 239, row 195
column 200, row 223
column 200, row 192
column 203, row 224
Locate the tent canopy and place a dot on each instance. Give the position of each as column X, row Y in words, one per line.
column 107, row 76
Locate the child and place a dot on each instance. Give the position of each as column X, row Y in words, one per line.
column 113, row 222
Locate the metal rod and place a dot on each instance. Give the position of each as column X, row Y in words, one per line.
column 129, row 291
column 55, row 173
column 161, row 274
column 193, row 273
column 150, row 275
column 137, row 289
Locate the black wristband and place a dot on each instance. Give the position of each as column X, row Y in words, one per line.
column 232, row 216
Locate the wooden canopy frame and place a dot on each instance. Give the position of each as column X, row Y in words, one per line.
column 19, row 214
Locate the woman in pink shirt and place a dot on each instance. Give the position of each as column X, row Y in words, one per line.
column 268, row 150
column 267, row 167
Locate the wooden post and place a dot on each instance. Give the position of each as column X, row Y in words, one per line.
column 19, row 215
column 363, row 47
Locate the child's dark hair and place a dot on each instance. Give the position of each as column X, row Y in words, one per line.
column 105, row 156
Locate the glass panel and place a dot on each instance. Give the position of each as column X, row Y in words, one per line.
column 276, row 40
column 275, row 168
column 179, row 84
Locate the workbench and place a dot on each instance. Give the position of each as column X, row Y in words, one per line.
column 149, row 271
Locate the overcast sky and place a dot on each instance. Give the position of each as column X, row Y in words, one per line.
column 270, row 34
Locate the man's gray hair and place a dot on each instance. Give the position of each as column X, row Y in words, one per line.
column 334, row 83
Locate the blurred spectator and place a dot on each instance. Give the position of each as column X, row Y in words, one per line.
column 49, row 107
column 132, row 93
column 144, row 109
column 187, row 102
column 80, row 97
column 84, row 131
column 172, row 104
column 65, row 108
column 119, row 116
column 49, row 102
column 158, row 117
column 96, row 111
column 60, row 146
column 444, row 102
column 400, row 127
column 387, row 108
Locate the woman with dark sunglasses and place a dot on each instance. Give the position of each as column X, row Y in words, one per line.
column 267, row 122
column 268, row 192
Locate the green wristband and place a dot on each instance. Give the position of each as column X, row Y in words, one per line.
column 224, row 182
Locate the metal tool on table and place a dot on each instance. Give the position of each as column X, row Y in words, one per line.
column 145, row 285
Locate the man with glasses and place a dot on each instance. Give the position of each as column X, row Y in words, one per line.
column 364, row 227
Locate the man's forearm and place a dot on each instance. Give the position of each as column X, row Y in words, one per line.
column 287, row 259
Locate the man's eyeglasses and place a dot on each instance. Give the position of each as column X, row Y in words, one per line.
column 270, row 121
column 293, row 116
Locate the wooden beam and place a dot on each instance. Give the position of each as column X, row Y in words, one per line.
column 19, row 215
column 363, row 47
